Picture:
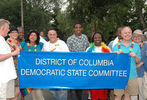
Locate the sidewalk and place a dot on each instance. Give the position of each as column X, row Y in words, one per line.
column 47, row 95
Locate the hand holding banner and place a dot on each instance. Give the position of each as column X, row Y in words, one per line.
column 76, row 70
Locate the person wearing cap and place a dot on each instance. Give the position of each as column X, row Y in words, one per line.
column 138, row 38
column 144, row 63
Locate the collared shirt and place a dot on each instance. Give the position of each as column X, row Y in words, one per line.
column 78, row 43
column 136, row 50
column 7, row 69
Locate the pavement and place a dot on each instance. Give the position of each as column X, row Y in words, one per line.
column 47, row 95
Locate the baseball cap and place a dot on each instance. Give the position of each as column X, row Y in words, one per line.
column 138, row 31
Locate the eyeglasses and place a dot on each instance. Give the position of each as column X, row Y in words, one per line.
column 13, row 32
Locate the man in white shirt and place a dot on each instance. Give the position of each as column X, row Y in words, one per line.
column 7, row 69
column 115, row 41
column 56, row 45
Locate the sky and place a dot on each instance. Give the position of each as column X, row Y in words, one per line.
column 64, row 5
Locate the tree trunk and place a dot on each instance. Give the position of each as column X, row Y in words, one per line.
column 139, row 9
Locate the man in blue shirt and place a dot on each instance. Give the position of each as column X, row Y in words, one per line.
column 126, row 45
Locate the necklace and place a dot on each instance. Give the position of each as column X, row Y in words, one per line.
column 35, row 47
column 104, row 48
column 141, row 45
column 13, row 44
column 131, row 48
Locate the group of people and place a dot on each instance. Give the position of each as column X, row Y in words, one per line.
column 134, row 43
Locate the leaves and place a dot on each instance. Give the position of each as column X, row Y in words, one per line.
column 104, row 16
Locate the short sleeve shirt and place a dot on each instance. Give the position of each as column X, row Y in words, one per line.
column 136, row 50
column 25, row 47
column 7, row 69
column 78, row 43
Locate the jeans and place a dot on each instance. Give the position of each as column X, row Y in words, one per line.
column 59, row 94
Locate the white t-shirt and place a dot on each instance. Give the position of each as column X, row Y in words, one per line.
column 42, row 40
column 7, row 69
column 59, row 46
column 97, row 49
column 115, row 42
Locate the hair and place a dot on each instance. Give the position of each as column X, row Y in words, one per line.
column 55, row 29
column 119, row 29
column 20, row 28
column 125, row 27
column 37, row 34
column 41, row 32
column 76, row 24
column 3, row 22
column 13, row 29
column 95, row 34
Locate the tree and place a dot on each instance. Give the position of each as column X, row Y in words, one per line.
column 104, row 16
column 36, row 13
column 9, row 9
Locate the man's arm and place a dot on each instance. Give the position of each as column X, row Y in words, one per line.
column 6, row 56
column 69, row 44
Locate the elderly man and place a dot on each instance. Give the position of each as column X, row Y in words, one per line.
column 128, row 46
column 7, row 69
column 20, row 35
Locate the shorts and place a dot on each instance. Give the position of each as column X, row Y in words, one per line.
column 17, row 82
column 131, row 89
column 7, row 90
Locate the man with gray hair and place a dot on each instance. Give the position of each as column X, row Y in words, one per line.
column 20, row 34
column 126, row 45
column 7, row 69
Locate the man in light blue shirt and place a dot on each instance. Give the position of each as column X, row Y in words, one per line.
column 126, row 45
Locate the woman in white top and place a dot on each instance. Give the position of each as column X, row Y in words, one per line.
column 98, row 46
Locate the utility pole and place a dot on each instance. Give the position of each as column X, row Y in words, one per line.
column 21, row 3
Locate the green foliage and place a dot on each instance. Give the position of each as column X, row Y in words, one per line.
column 9, row 9
column 36, row 14
column 104, row 16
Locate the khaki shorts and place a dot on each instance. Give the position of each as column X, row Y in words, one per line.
column 7, row 90
column 144, row 87
column 132, row 88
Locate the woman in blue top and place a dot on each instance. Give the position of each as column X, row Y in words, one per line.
column 126, row 45
column 32, row 44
